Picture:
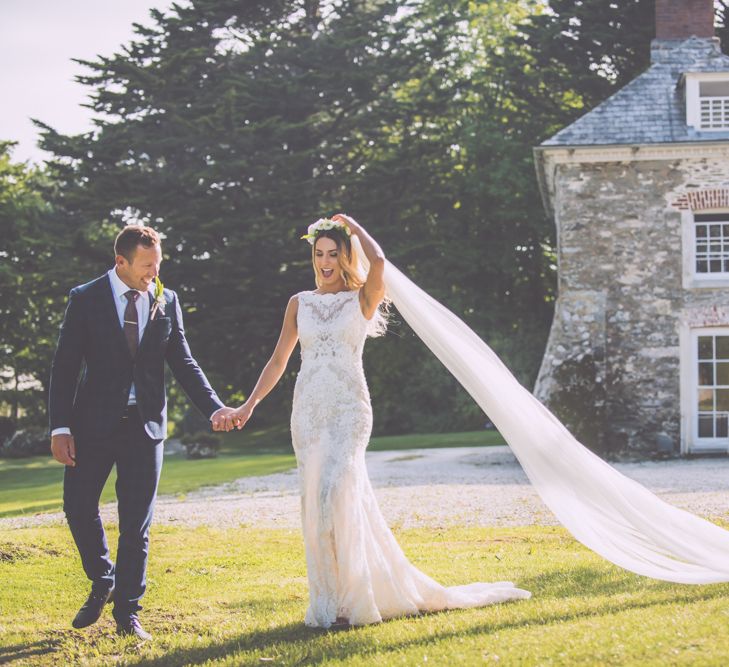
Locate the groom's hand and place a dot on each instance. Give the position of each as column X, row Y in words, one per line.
column 63, row 448
column 219, row 419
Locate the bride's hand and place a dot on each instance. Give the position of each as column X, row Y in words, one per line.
column 353, row 225
column 238, row 417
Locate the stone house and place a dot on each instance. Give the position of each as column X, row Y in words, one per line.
column 637, row 359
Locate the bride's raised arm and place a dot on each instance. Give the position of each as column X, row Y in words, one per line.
column 272, row 371
column 374, row 288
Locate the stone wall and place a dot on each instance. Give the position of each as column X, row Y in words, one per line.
column 611, row 368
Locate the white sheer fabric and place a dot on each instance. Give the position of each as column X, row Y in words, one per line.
column 356, row 569
column 609, row 513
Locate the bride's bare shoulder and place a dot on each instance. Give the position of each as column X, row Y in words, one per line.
column 295, row 299
column 299, row 295
column 292, row 310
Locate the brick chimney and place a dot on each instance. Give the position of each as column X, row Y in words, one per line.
column 681, row 19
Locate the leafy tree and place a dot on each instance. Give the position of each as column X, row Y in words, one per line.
column 722, row 23
column 229, row 126
column 33, row 259
column 231, row 129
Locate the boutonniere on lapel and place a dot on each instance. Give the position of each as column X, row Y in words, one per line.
column 159, row 298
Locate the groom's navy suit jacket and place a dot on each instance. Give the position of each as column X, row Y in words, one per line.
column 92, row 342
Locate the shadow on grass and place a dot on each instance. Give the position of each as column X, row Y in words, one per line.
column 591, row 581
column 23, row 651
column 350, row 642
column 265, row 641
column 612, row 581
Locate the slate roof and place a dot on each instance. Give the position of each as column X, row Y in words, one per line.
column 651, row 109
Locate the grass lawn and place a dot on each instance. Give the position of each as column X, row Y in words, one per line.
column 28, row 486
column 430, row 440
column 238, row 597
column 278, row 439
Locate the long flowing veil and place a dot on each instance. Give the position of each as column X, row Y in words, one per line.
column 609, row 513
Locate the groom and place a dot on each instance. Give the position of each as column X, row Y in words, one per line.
column 120, row 329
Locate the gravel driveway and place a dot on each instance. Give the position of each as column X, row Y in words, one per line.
column 477, row 486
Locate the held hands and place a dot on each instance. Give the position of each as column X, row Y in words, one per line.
column 63, row 448
column 226, row 419
column 239, row 417
column 219, row 418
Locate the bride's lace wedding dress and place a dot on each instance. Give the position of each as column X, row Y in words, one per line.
column 356, row 569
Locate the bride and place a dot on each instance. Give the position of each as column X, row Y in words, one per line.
column 357, row 572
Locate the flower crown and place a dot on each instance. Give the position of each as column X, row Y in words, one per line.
column 324, row 224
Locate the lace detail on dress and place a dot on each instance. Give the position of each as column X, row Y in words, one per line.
column 330, row 304
column 355, row 567
column 331, row 325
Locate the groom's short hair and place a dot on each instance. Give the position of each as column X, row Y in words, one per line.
column 132, row 236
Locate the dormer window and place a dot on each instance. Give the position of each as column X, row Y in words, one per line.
column 714, row 104
column 707, row 101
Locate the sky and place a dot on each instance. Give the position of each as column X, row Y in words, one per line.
column 38, row 38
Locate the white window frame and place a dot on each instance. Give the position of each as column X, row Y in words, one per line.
column 690, row 441
column 693, row 99
column 692, row 279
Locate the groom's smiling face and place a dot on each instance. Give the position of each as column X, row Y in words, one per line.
column 139, row 272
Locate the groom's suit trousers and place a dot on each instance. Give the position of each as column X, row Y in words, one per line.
column 138, row 461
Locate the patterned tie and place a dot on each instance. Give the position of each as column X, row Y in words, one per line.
column 131, row 322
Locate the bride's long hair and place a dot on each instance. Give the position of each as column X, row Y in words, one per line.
column 354, row 267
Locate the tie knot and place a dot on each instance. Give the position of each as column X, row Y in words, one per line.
column 132, row 295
